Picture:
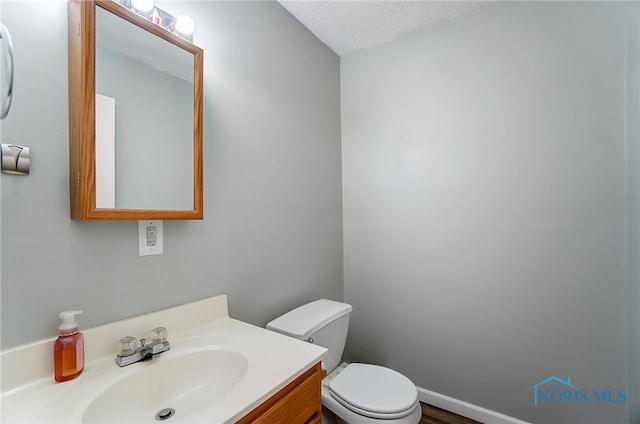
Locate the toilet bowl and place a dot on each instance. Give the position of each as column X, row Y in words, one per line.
column 368, row 394
column 356, row 393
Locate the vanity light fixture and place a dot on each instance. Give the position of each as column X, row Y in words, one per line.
column 144, row 6
column 185, row 25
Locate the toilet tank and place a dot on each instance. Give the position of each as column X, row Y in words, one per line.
column 323, row 322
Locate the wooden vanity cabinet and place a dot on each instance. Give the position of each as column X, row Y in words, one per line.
column 300, row 402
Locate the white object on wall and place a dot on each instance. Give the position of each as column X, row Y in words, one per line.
column 150, row 235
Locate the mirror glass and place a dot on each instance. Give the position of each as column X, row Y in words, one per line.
column 144, row 118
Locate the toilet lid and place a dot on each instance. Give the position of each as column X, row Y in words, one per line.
column 374, row 390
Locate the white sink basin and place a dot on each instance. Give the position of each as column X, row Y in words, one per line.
column 184, row 383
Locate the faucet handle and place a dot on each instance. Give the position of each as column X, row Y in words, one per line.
column 128, row 346
column 158, row 335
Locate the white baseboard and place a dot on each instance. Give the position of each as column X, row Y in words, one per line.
column 465, row 409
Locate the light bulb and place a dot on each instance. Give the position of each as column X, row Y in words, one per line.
column 142, row 5
column 185, row 25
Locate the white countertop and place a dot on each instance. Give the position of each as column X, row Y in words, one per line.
column 30, row 394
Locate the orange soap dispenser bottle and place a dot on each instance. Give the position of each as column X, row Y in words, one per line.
column 68, row 349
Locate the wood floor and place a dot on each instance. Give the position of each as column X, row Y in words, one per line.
column 433, row 415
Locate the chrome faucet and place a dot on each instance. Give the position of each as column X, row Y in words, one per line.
column 130, row 353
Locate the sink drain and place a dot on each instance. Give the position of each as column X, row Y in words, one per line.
column 165, row 414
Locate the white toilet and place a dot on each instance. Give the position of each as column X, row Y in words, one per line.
column 356, row 393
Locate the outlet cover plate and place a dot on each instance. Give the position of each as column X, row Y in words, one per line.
column 145, row 248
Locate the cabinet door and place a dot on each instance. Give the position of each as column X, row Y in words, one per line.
column 298, row 403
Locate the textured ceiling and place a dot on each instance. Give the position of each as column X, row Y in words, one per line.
column 347, row 26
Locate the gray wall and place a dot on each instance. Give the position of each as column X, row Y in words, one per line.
column 272, row 234
column 485, row 213
column 633, row 217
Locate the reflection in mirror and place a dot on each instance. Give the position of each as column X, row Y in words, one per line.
column 144, row 118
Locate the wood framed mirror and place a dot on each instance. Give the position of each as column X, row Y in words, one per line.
column 135, row 117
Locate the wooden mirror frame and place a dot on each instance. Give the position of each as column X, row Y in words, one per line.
column 82, row 93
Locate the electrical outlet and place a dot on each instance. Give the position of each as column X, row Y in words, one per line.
column 150, row 238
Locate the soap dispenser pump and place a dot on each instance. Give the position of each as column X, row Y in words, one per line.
column 68, row 349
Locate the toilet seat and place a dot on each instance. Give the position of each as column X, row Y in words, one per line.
column 374, row 391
